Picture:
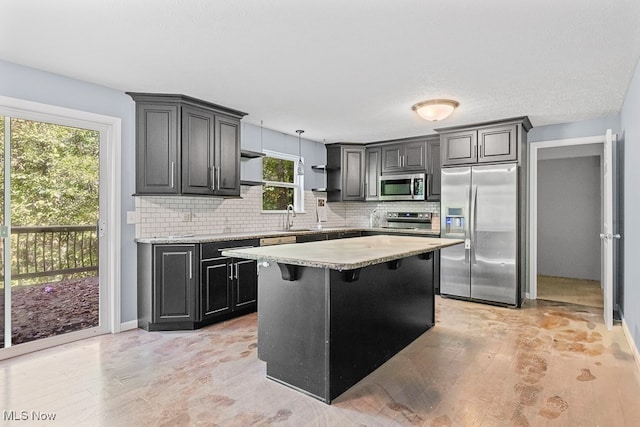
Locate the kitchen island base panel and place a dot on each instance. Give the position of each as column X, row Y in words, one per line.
column 322, row 333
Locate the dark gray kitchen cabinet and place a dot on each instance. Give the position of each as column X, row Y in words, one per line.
column 186, row 146
column 227, row 156
column 167, row 280
column 345, row 172
column 497, row 144
column 315, row 237
column 459, row 148
column 228, row 286
column 198, row 130
column 343, row 234
column 157, row 150
column 404, row 157
column 373, row 163
column 433, row 169
column 490, row 142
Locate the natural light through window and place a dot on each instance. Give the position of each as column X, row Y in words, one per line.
column 282, row 186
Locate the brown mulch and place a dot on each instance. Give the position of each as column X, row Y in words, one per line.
column 48, row 309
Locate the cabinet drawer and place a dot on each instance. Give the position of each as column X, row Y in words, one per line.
column 214, row 249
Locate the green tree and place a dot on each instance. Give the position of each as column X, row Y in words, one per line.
column 54, row 174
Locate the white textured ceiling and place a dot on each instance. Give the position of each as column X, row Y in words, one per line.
column 343, row 70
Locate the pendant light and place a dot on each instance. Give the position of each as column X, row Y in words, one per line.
column 300, row 163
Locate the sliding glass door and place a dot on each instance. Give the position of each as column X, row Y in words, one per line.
column 49, row 208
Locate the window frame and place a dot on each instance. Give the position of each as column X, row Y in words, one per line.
column 297, row 185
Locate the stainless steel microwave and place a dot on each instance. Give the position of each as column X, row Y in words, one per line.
column 403, row 187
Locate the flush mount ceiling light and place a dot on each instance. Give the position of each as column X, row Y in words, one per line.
column 435, row 109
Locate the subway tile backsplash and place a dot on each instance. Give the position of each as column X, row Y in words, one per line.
column 161, row 216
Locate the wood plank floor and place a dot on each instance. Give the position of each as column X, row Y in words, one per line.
column 546, row 364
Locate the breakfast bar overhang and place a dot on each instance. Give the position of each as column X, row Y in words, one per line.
column 331, row 312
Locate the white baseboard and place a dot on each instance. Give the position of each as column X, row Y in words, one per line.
column 632, row 344
column 127, row 326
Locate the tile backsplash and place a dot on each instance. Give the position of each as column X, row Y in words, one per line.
column 161, row 216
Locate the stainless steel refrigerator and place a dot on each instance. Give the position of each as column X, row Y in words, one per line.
column 480, row 205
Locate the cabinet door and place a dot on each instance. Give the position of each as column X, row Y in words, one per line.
column 227, row 156
column 353, row 174
column 372, row 173
column 433, row 169
column 246, row 283
column 215, row 287
column 498, row 144
column 392, row 158
column 174, row 284
column 198, row 127
column 414, row 157
column 156, row 149
column 459, row 148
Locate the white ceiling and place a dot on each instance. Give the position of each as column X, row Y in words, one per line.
column 343, row 70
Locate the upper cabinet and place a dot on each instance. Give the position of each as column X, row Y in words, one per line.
column 433, row 169
column 372, row 172
column 491, row 142
column 186, row 146
column 403, row 157
column 345, row 172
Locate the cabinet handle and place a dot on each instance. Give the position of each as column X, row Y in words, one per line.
column 190, row 265
column 212, row 177
column 230, row 271
column 218, row 180
column 236, row 275
column 173, row 174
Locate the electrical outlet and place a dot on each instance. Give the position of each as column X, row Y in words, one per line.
column 186, row 216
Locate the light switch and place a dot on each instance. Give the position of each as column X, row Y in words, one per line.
column 131, row 217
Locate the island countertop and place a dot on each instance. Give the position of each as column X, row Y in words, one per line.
column 345, row 254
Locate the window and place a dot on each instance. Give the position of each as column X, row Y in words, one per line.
column 281, row 186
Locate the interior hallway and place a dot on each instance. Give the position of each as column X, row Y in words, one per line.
column 566, row 289
column 544, row 364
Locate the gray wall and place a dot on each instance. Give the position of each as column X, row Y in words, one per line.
column 630, row 230
column 38, row 86
column 578, row 129
column 569, row 217
column 313, row 153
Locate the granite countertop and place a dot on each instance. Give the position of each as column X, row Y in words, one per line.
column 345, row 254
column 222, row 237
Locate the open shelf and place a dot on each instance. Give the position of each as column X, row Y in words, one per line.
column 250, row 183
column 248, row 154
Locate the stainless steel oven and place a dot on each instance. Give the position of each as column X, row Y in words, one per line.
column 403, row 187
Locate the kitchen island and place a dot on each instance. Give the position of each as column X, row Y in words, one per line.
column 331, row 312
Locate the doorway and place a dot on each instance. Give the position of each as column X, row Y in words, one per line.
column 571, row 211
column 57, row 259
column 569, row 215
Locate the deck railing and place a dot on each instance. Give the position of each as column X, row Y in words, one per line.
column 51, row 251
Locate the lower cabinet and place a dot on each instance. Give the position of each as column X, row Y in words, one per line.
column 227, row 286
column 174, row 294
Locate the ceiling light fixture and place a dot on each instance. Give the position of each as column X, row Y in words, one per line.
column 300, row 163
column 435, row 109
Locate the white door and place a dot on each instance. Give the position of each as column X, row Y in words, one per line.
column 607, row 236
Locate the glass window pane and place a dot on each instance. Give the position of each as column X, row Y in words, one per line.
column 276, row 198
column 279, row 170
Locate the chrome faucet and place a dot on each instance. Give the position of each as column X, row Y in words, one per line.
column 289, row 221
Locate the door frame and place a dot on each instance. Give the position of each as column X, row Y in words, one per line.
column 533, row 200
column 110, row 129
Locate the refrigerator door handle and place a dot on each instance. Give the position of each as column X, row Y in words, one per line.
column 467, row 237
column 472, row 223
